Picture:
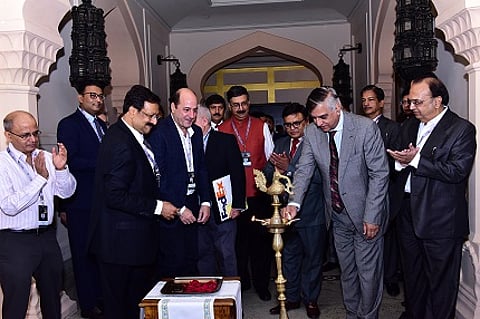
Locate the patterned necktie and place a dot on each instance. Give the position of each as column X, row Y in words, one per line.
column 156, row 170
column 293, row 149
column 337, row 203
column 98, row 128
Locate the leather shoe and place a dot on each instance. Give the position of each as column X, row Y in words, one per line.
column 94, row 313
column 264, row 295
column 312, row 310
column 392, row 289
column 328, row 266
column 288, row 305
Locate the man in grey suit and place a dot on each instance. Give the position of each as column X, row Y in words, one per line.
column 305, row 242
column 355, row 183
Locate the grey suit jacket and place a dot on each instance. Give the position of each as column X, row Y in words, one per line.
column 363, row 170
column 313, row 206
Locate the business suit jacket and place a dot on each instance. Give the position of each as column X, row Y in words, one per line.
column 362, row 170
column 313, row 206
column 438, row 203
column 82, row 145
column 228, row 162
column 122, row 225
column 169, row 154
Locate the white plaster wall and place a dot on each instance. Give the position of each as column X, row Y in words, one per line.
column 190, row 46
column 453, row 74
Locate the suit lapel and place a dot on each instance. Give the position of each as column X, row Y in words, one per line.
column 86, row 126
column 440, row 132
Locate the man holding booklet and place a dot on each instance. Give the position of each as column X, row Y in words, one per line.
column 227, row 192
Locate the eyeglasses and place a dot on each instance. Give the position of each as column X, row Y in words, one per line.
column 94, row 95
column 416, row 102
column 35, row 134
column 293, row 124
column 152, row 116
column 237, row 105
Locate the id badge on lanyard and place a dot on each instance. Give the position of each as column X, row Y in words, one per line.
column 191, row 181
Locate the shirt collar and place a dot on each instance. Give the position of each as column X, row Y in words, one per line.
column 339, row 126
column 138, row 136
column 19, row 156
column 87, row 115
column 190, row 130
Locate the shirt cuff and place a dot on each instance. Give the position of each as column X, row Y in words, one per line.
column 205, row 204
column 416, row 159
column 158, row 209
column 297, row 205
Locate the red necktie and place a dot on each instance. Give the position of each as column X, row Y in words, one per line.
column 293, row 149
column 337, row 203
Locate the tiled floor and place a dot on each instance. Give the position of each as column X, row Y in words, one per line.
column 330, row 301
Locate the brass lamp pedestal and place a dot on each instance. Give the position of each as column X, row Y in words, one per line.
column 276, row 225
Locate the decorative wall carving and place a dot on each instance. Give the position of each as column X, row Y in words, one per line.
column 25, row 57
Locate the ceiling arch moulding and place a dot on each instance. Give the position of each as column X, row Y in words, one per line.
column 314, row 59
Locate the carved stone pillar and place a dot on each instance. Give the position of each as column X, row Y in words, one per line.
column 29, row 41
column 460, row 22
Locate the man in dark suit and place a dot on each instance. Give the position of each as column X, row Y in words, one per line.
column 178, row 147
column 435, row 154
column 216, row 238
column 122, row 233
column 305, row 242
column 81, row 132
column 355, row 184
column 373, row 102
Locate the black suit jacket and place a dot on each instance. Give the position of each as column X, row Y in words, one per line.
column 169, row 154
column 82, row 145
column 223, row 157
column 122, row 225
column 438, row 185
column 312, row 212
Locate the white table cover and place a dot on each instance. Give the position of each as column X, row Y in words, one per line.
column 198, row 306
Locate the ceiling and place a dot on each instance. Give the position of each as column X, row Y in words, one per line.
column 188, row 15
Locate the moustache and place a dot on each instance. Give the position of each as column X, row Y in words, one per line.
column 242, row 112
column 217, row 114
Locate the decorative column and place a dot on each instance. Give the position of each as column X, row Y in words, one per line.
column 29, row 42
column 460, row 22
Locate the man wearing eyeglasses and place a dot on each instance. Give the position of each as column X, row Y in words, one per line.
column 29, row 180
column 122, row 233
column 434, row 156
column 256, row 145
column 305, row 241
column 82, row 132
column 348, row 150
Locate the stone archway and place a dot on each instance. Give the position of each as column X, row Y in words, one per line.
column 215, row 59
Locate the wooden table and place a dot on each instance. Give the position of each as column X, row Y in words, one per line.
column 224, row 308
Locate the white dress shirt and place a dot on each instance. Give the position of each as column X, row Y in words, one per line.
column 21, row 189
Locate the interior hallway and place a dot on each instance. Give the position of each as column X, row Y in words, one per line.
column 330, row 301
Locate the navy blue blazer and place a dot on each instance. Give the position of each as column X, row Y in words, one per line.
column 223, row 157
column 438, row 184
column 122, row 225
column 169, row 155
column 82, row 145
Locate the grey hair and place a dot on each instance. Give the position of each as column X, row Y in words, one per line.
column 204, row 112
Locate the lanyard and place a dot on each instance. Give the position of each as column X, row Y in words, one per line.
column 26, row 171
column 237, row 134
